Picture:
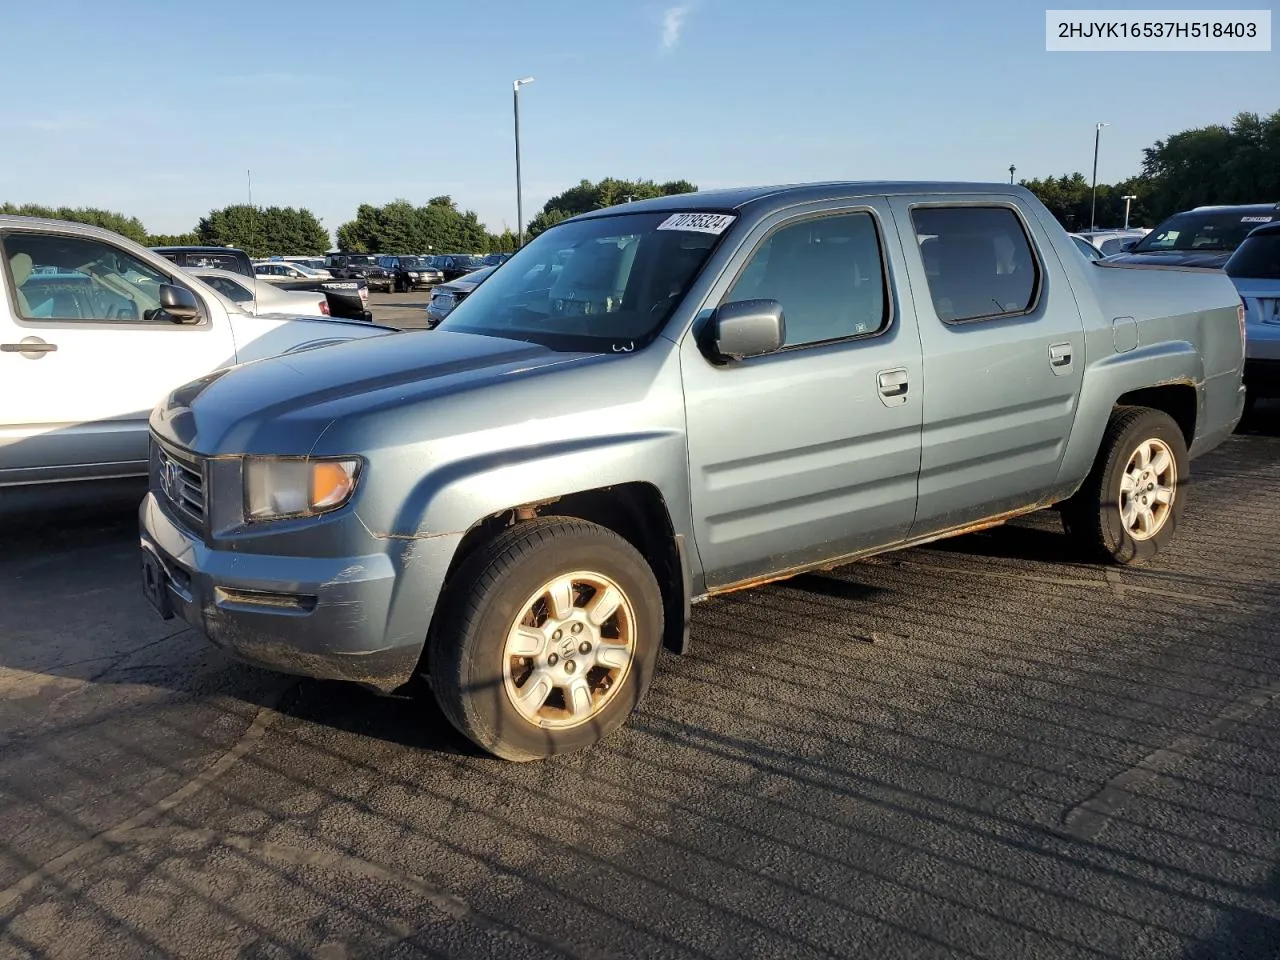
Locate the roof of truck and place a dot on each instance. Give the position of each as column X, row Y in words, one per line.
column 785, row 195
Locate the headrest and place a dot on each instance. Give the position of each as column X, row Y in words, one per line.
column 21, row 265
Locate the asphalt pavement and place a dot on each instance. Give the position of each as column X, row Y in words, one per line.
column 977, row 749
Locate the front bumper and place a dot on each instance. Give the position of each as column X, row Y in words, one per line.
column 358, row 618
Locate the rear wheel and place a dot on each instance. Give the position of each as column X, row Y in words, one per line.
column 1128, row 509
column 548, row 639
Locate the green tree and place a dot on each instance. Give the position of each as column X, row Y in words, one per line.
column 264, row 232
column 504, row 242
column 173, row 239
column 606, row 193
column 400, row 227
column 126, row 226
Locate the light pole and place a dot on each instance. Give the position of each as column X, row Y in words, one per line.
column 1011, row 169
column 515, row 94
column 1126, row 200
column 1093, row 206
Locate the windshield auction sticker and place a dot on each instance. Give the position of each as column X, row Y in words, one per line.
column 1157, row 30
column 716, row 223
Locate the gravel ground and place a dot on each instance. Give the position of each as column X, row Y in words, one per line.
column 978, row 749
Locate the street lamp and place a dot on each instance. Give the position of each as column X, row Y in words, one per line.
column 1093, row 206
column 1011, row 169
column 1126, row 200
column 515, row 93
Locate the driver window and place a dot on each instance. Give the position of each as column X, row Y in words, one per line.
column 59, row 277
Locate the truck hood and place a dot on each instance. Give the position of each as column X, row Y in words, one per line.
column 1211, row 259
column 294, row 397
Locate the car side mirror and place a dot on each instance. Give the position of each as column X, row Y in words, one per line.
column 748, row 328
column 1128, row 245
column 179, row 304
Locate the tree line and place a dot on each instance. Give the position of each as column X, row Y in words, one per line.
column 1219, row 164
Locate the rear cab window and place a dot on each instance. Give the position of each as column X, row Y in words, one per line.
column 1258, row 258
column 978, row 261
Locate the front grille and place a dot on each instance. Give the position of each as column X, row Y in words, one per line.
column 180, row 478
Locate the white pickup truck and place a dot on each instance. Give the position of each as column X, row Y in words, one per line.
column 95, row 330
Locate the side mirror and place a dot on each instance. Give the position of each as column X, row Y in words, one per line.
column 178, row 304
column 748, row 328
column 1128, row 245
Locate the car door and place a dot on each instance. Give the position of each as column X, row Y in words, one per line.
column 1003, row 355
column 809, row 453
column 79, row 408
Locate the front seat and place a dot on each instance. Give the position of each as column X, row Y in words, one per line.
column 20, row 267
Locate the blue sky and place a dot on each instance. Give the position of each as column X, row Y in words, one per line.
column 158, row 108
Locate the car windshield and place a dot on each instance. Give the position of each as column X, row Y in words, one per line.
column 608, row 283
column 1200, row 231
column 1258, row 258
column 413, row 263
column 362, row 261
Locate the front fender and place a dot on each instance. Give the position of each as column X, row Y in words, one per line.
column 455, row 496
column 1105, row 381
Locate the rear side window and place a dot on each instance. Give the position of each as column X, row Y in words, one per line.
column 978, row 261
column 1258, row 258
column 828, row 275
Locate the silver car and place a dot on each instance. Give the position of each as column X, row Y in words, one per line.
column 668, row 400
column 261, row 297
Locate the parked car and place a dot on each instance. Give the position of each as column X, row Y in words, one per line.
column 1084, row 246
column 358, row 266
column 347, row 298
column 259, row 298
column 312, row 263
column 281, row 270
column 1111, row 242
column 712, row 391
column 496, row 259
column 455, row 265
column 1203, row 237
column 1255, row 270
column 448, row 295
column 411, row 273
column 216, row 258
column 94, row 330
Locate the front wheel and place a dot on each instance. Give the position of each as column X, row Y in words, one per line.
column 1129, row 508
column 548, row 639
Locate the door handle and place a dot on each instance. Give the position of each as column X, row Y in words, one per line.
column 33, row 348
column 893, row 386
column 1060, row 354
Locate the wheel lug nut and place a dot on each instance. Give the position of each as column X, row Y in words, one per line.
column 557, row 635
column 570, row 666
column 576, row 628
column 584, row 647
column 553, row 659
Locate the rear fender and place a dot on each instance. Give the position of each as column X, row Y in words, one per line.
column 1105, row 381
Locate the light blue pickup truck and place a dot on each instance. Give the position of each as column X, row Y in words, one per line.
column 667, row 400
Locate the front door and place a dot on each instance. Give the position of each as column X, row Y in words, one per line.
column 1003, row 356
column 79, row 407
column 810, row 453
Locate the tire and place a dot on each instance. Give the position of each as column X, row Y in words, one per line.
column 477, row 676
column 1114, row 525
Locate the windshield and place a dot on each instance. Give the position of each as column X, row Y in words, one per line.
column 602, row 284
column 1258, row 258
column 1200, row 231
column 414, row 263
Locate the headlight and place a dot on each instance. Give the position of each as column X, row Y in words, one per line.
column 413, row 275
column 278, row 488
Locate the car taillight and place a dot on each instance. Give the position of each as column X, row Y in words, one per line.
column 1240, row 313
column 364, row 294
column 324, row 307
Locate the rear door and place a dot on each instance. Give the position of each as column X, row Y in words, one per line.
column 812, row 452
column 79, row 407
column 1003, row 356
